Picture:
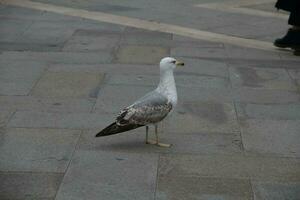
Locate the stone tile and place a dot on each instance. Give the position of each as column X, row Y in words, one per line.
column 230, row 166
column 249, row 53
column 199, row 52
column 19, row 46
column 294, row 73
column 19, row 13
column 18, row 78
column 91, row 40
column 141, row 54
column 46, row 32
column 133, row 36
column 11, row 29
column 131, row 177
column 261, row 78
column 187, row 41
column 203, row 116
column 134, row 141
column 5, row 113
column 183, row 79
column 276, row 191
column 59, row 57
column 268, row 111
column 111, row 99
column 250, row 95
column 107, row 68
column 31, row 103
column 279, row 137
column 29, row 185
column 35, row 119
column 69, row 84
column 184, row 188
column 43, row 150
column 202, row 67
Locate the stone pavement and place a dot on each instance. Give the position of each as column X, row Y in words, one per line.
column 235, row 133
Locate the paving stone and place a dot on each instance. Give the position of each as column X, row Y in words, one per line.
column 131, row 177
column 187, row 41
column 199, row 52
column 250, row 95
column 271, row 137
column 18, row 78
column 134, row 36
column 294, row 73
column 43, row 150
column 141, row 54
column 184, row 188
column 261, row 78
column 276, row 191
column 18, row 46
column 5, row 113
column 200, row 66
column 134, row 141
column 247, row 53
column 111, row 99
column 20, row 185
column 46, row 32
column 230, row 166
column 59, row 57
column 35, row 119
column 107, row 68
column 31, row 103
column 19, row 13
column 11, row 29
column 183, row 79
column 91, row 40
column 268, row 111
column 69, row 84
column 203, row 117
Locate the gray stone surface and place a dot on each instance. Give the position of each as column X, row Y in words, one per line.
column 265, row 137
column 4, row 116
column 268, row 111
column 36, row 119
column 90, row 40
column 134, row 141
column 30, row 185
column 18, row 78
column 199, row 52
column 276, row 191
column 69, row 84
column 31, row 103
column 109, row 175
column 230, row 166
column 234, row 133
column 203, row 116
column 43, row 150
column 261, row 78
column 252, row 95
column 140, row 54
column 184, row 188
column 59, row 57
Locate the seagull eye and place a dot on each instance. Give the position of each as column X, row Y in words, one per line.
column 174, row 61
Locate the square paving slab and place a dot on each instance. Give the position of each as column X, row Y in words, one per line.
column 68, row 84
column 279, row 137
column 141, row 54
column 43, row 150
column 108, row 176
column 29, row 185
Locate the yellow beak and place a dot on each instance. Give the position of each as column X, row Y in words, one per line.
column 178, row 63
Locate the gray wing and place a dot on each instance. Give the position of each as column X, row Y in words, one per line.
column 151, row 108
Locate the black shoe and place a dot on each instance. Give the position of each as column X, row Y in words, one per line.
column 291, row 40
column 297, row 52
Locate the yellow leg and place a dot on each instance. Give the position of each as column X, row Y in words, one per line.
column 157, row 139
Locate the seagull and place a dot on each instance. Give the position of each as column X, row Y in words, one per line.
column 151, row 108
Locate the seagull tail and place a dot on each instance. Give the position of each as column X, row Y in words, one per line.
column 114, row 128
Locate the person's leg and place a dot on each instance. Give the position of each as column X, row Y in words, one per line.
column 292, row 37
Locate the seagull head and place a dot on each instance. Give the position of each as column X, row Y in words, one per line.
column 169, row 63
